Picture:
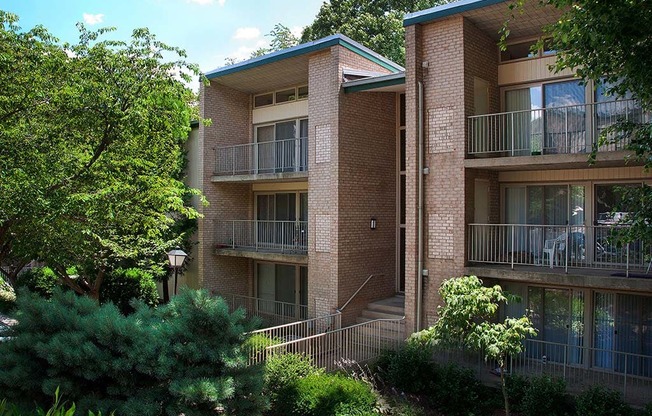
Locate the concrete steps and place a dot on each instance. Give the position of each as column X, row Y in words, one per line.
column 390, row 308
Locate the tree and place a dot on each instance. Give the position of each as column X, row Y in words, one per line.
column 377, row 24
column 282, row 38
column 467, row 320
column 185, row 357
column 93, row 134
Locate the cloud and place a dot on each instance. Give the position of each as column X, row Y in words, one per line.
column 296, row 30
column 247, row 33
column 93, row 19
column 206, row 2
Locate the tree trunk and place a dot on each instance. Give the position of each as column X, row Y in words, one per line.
column 504, row 387
column 95, row 291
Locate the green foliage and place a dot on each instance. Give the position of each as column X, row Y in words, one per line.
column 546, row 396
column 409, row 369
column 377, row 24
column 600, row 401
column 647, row 411
column 183, row 357
column 517, row 386
column 285, row 370
column 40, row 280
column 92, row 137
column 282, row 38
column 456, row 392
column 58, row 409
column 122, row 285
column 7, row 296
column 467, row 320
column 326, row 395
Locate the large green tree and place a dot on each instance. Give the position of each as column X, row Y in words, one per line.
column 91, row 136
column 377, row 24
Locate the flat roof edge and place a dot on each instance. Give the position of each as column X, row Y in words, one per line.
column 445, row 10
column 366, row 84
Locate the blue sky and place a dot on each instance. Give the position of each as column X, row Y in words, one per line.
column 209, row 30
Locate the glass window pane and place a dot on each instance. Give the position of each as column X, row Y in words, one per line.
column 286, row 130
column 285, row 96
column 402, row 110
column 403, row 199
column 263, row 100
column 403, row 154
column 518, row 51
column 303, row 128
column 303, row 92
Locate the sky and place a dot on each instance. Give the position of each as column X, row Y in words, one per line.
column 209, row 30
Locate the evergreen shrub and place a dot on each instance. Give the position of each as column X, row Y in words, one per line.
column 409, row 369
column 546, row 396
column 40, row 280
column 284, row 370
column 456, row 391
column 326, row 395
column 600, row 401
column 122, row 285
column 183, row 357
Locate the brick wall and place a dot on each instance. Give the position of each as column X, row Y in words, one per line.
column 454, row 53
column 230, row 113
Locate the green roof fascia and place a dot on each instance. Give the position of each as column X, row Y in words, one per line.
column 305, row 48
column 374, row 85
column 446, row 10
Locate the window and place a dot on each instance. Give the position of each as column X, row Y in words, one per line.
column 282, row 289
column 282, row 96
column 282, row 146
column 524, row 50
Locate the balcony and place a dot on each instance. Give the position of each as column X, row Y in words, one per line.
column 274, row 160
column 556, row 130
column 288, row 238
column 558, row 248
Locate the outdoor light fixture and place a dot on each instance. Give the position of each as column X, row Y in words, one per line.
column 176, row 258
column 373, row 223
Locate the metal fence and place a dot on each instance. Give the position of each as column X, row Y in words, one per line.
column 277, row 156
column 574, row 246
column 262, row 235
column 271, row 312
column 579, row 366
column 567, row 129
column 359, row 343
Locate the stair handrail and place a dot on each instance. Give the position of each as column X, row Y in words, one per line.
column 341, row 308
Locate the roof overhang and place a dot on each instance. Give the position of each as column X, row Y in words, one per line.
column 288, row 66
column 382, row 83
column 490, row 16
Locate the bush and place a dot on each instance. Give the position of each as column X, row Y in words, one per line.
column 326, row 395
column 600, row 401
column 123, row 285
column 516, row 388
column 456, row 391
column 546, row 396
column 284, row 370
column 409, row 369
column 7, row 297
column 40, row 280
column 184, row 357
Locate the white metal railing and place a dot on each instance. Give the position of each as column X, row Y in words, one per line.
column 568, row 129
column 581, row 367
column 358, row 343
column 565, row 246
column 270, row 311
column 277, row 156
column 261, row 235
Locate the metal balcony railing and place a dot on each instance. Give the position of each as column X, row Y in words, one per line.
column 278, row 156
column 569, row 129
column 566, row 246
column 271, row 312
column 260, row 235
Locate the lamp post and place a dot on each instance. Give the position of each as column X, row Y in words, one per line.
column 176, row 258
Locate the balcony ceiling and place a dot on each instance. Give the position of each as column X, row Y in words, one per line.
column 268, row 77
column 527, row 25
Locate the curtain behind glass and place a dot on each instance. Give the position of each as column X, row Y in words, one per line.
column 520, row 122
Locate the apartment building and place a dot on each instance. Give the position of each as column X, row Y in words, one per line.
column 300, row 170
column 508, row 194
